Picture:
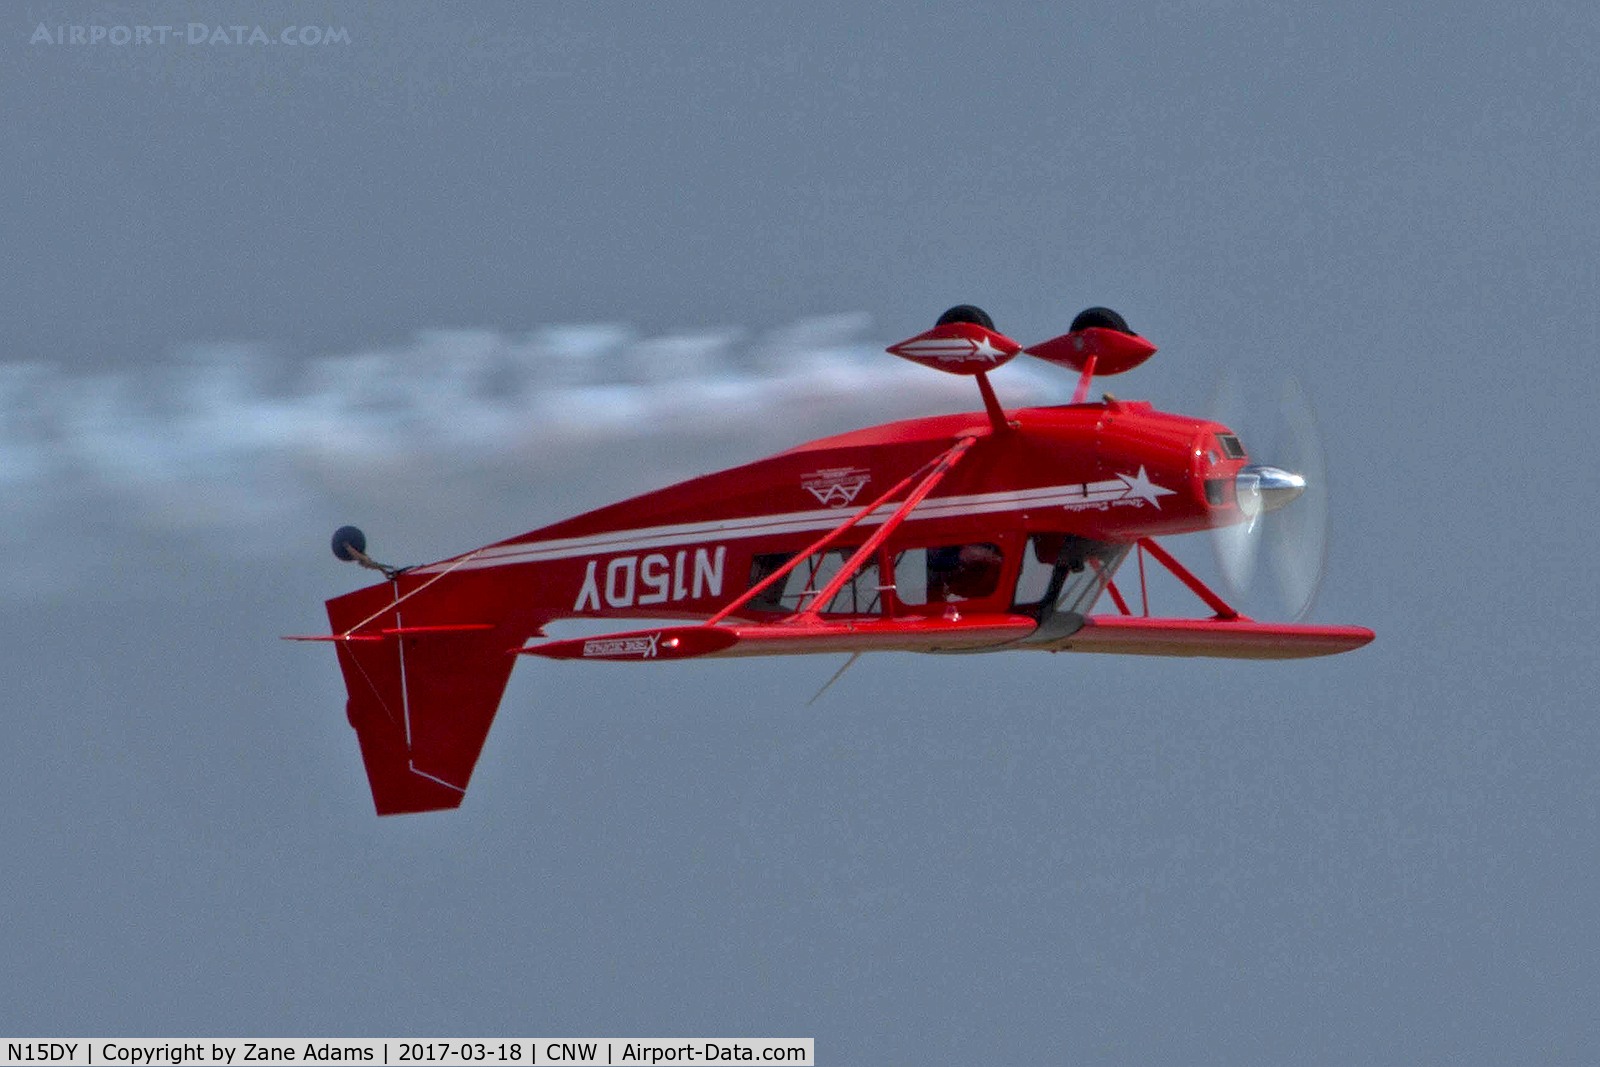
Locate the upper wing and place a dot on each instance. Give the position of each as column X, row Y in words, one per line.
column 1227, row 633
column 1230, row 638
column 1129, row 634
column 906, row 634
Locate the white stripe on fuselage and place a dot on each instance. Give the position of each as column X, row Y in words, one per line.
column 636, row 540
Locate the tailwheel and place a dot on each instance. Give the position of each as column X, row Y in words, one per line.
column 350, row 545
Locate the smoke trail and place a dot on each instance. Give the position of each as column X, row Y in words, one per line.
column 237, row 452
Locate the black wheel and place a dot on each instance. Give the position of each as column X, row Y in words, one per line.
column 1102, row 317
column 966, row 313
column 347, row 541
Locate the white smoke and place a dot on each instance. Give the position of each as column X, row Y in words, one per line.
column 239, row 451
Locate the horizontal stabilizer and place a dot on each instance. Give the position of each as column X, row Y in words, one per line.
column 389, row 633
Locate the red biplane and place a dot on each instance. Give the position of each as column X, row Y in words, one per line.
column 995, row 530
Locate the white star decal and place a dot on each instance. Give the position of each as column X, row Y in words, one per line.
column 985, row 349
column 1140, row 485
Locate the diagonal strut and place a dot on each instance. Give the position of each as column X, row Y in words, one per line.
column 864, row 553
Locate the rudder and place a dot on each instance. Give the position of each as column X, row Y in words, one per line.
column 421, row 702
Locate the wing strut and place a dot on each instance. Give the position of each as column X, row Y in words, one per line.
column 942, row 467
column 939, row 464
column 1223, row 609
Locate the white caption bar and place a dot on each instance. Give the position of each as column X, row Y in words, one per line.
column 404, row 1052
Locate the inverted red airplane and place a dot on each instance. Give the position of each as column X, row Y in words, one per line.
column 995, row 530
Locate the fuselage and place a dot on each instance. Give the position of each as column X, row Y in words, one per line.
column 1106, row 473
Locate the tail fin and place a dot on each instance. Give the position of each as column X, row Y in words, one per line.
column 422, row 699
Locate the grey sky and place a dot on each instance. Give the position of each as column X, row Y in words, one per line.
column 1382, row 857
